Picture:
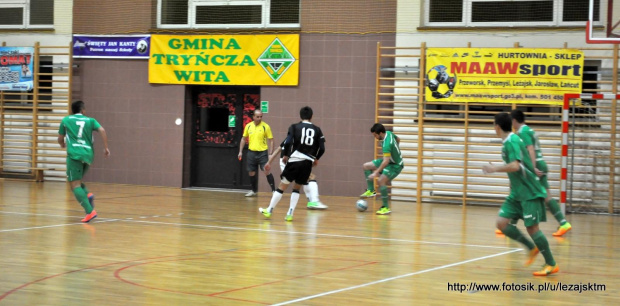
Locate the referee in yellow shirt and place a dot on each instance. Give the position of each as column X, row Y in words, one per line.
column 257, row 133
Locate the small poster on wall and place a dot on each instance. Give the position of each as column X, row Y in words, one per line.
column 16, row 71
column 111, row 46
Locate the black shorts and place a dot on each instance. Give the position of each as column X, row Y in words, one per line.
column 257, row 159
column 297, row 172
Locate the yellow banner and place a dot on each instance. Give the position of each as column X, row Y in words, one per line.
column 492, row 75
column 225, row 59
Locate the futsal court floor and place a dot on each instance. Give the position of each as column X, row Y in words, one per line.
column 170, row 246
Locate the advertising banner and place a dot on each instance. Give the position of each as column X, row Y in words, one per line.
column 16, row 73
column 493, row 75
column 111, row 46
column 225, row 59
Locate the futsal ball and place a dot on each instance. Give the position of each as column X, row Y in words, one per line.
column 439, row 82
column 361, row 205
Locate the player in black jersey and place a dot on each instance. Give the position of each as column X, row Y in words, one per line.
column 303, row 147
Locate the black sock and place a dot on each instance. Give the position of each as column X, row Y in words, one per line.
column 271, row 182
column 254, row 182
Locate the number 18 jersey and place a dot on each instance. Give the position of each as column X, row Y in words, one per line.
column 305, row 140
column 78, row 131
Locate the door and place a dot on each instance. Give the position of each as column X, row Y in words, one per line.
column 220, row 113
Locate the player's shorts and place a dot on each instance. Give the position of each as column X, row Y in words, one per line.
column 256, row 159
column 391, row 170
column 76, row 169
column 531, row 211
column 297, row 172
column 542, row 166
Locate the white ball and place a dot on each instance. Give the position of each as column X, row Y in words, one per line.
column 178, row 121
column 361, row 205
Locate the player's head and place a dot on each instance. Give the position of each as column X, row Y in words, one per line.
column 77, row 107
column 305, row 113
column 518, row 117
column 503, row 122
column 258, row 116
column 378, row 130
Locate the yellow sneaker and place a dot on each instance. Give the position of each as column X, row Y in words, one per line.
column 531, row 256
column 384, row 211
column 368, row 194
column 563, row 229
column 547, row 270
column 265, row 212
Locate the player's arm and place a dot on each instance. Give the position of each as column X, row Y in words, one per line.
column 104, row 136
column 270, row 146
column 532, row 153
column 288, row 143
column 242, row 142
column 61, row 135
column 513, row 166
column 273, row 156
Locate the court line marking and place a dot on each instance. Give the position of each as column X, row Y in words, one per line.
column 323, row 235
column 393, row 278
column 49, row 226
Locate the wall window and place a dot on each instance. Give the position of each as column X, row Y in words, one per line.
column 506, row 13
column 26, row 14
column 227, row 14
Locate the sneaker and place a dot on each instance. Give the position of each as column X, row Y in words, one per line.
column 531, row 256
column 368, row 194
column 251, row 194
column 384, row 211
column 547, row 270
column 499, row 232
column 92, row 215
column 265, row 212
column 288, row 218
column 316, row 205
column 91, row 199
column 563, row 229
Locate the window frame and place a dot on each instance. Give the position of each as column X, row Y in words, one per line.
column 25, row 6
column 466, row 20
column 191, row 16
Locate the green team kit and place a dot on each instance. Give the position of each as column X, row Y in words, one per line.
column 390, row 148
column 530, row 139
column 78, row 131
column 525, row 188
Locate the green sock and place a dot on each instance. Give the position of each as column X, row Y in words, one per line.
column 81, row 196
column 543, row 246
column 554, row 207
column 384, row 195
column 514, row 233
column 85, row 189
column 371, row 183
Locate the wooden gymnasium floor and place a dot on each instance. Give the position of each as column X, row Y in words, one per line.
column 167, row 246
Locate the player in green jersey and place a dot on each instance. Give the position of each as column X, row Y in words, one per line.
column 76, row 134
column 386, row 168
column 532, row 144
column 526, row 198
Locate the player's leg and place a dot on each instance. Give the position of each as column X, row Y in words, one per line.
column 369, row 167
column 387, row 175
column 312, row 192
column 510, row 210
column 91, row 196
column 75, row 172
column 533, row 213
column 263, row 158
column 252, row 167
column 300, row 172
column 293, row 203
column 285, row 179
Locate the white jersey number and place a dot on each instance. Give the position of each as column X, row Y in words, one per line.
column 307, row 136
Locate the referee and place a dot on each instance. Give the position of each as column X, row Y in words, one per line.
column 257, row 133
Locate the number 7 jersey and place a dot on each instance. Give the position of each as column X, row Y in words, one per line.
column 306, row 142
column 78, row 131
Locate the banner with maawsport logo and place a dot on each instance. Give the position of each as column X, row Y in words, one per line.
column 111, row 46
column 225, row 59
column 16, row 68
column 535, row 76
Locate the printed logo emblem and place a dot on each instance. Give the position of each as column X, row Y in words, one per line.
column 276, row 60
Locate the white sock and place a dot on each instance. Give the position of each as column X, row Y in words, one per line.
column 275, row 198
column 308, row 192
column 313, row 187
column 294, row 200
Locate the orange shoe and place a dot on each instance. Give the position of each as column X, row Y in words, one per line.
column 499, row 232
column 92, row 215
column 563, row 229
column 547, row 270
column 531, row 256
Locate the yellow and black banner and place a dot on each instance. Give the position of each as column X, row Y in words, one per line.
column 225, row 59
column 493, row 75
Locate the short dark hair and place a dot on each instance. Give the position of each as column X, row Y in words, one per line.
column 518, row 115
column 504, row 121
column 77, row 107
column 305, row 113
column 377, row 128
